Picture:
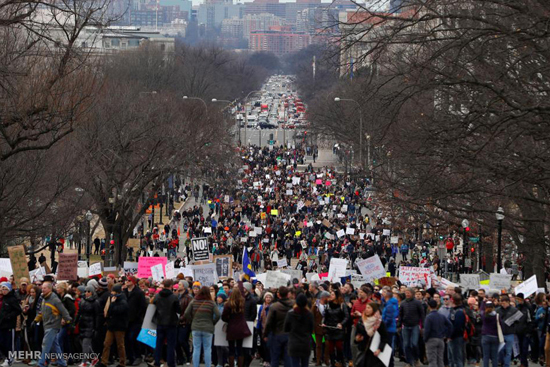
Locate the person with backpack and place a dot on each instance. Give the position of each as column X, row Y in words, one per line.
column 168, row 308
column 457, row 317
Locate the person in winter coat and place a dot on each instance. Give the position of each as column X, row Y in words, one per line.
column 508, row 317
column 436, row 328
column 371, row 323
column 262, row 318
column 250, row 310
column 87, row 319
column 411, row 315
column 274, row 328
column 299, row 326
column 184, row 327
column 138, row 306
column 31, row 332
column 489, row 335
column 389, row 316
column 68, row 301
column 523, row 329
column 116, row 316
column 318, row 310
column 336, row 316
column 237, row 329
column 9, row 311
column 168, row 308
column 203, row 314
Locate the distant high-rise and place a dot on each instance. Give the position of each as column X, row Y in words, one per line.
column 396, row 6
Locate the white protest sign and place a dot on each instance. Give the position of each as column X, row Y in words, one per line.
column 5, row 268
column 169, row 270
column 220, row 335
column 82, row 269
column 350, row 230
column 500, row 281
column 528, row 287
column 309, row 224
column 261, row 278
column 337, row 268
column 282, row 263
column 295, row 180
column 38, row 274
column 340, row 233
column 187, row 272
column 447, row 283
column 294, row 274
column 95, row 269
column 371, row 268
column 205, row 274
column 289, row 192
column 258, row 230
column 412, row 276
column 386, row 232
column 469, row 281
column 394, row 239
column 207, row 229
column 276, row 279
column 157, row 272
column 130, row 268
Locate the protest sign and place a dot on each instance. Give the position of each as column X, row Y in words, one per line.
column 148, row 333
column 326, row 223
column 412, row 276
column 5, row 268
column 275, row 279
column 295, row 180
column 350, row 230
column 394, row 239
column 200, row 249
column 169, row 270
column 337, row 268
column 130, row 268
column 187, row 272
column 205, row 274
column 386, row 232
column 220, row 335
column 224, row 266
column 469, row 281
column 371, row 268
column 444, row 283
column 18, row 261
column 38, row 274
column 67, row 267
column 340, row 233
column 157, row 272
column 387, row 281
column 95, row 269
column 528, row 287
column 500, row 281
column 145, row 264
column 294, row 274
column 258, row 230
column 282, row 263
column 274, row 212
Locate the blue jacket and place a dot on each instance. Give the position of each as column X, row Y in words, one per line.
column 389, row 315
column 458, row 319
column 437, row 326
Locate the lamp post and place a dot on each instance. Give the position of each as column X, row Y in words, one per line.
column 198, row 99
column 89, row 216
column 337, row 99
column 500, row 217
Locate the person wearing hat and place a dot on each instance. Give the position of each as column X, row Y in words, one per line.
column 250, row 310
column 9, row 311
column 524, row 328
column 299, row 326
column 116, row 316
column 68, row 301
column 102, row 297
column 437, row 327
column 138, row 306
column 22, row 291
column 168, row 308
column 87, row 320
column 52, row 315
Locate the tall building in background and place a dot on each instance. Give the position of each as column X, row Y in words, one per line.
column 279, row 40
column 213, row 12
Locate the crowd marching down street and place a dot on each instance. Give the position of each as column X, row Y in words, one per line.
column 292, row 266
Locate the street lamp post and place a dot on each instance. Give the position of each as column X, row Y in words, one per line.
column 337, row 99
column 89, row 216
column 500, row 217
column 198, row 99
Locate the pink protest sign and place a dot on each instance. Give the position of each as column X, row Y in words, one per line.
column 145, row 263
column 318, row 182
column 328, row 183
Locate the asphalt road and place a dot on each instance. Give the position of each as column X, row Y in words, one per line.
column 262, row 136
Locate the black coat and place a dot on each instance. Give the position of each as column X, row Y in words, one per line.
column 168, row 307
column 68, row 302
column 11, row 308
column 366, row 357
column 117, row 315
column 137, row 305
column 299, row 326
column 88, row 316
column 335, row 314
column 250, row 307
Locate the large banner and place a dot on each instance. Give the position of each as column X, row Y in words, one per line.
column 413, row 276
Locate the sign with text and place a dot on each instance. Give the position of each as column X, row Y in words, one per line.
column 224, row 266
column 205, row 274
column 371, row 268
column 528, row 287
column 200, row 249
column 282, row 263
column 412, row 276
column 67, row 269
column 130, row 268
column 276, row 279
column 157, row 272
column 145, row 264
column 469, row 281
column 500, row 281
column 18, row 261
column 95, row 269
column 337, row 269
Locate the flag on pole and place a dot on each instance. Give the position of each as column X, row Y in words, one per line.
column 247, row 266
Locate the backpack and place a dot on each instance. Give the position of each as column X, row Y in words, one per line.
column 469, row 328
